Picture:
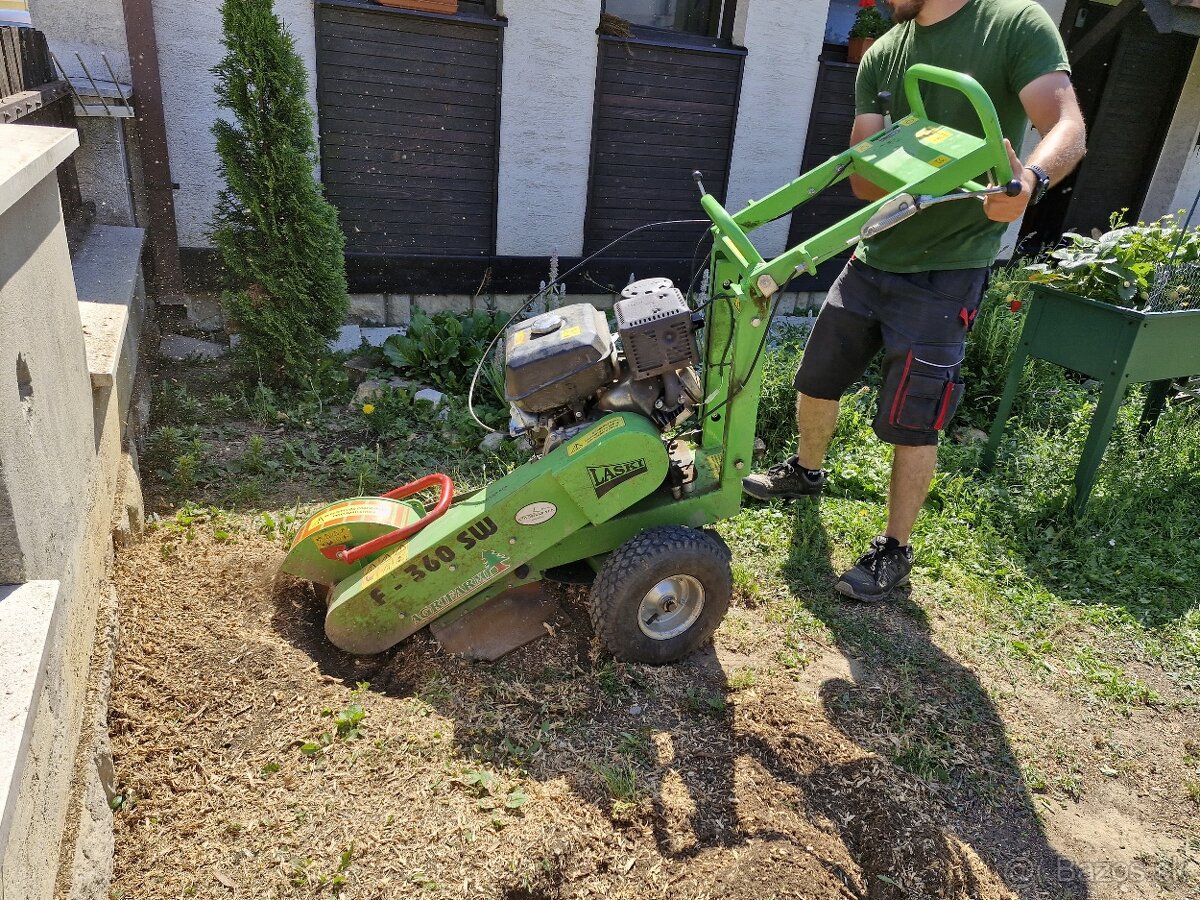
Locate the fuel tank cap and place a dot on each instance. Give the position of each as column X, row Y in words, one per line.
column 545, row 324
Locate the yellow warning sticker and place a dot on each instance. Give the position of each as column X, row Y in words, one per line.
column 595, row 434
column 908, row 120
column 384, row 565
column 863, row 147
column 571, row 332
column 933, row 135
column 939, row 161
column 332, row 538
column 519, row 338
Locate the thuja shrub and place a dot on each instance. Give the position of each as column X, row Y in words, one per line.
column 278, row 235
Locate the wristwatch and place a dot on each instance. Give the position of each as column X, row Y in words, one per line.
column 1042, row 185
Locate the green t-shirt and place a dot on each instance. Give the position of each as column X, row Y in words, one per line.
column 1002, row 44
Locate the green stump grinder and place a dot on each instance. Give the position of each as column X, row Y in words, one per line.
column 618, row 494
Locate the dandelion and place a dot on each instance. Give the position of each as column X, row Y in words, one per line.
column 368, row 408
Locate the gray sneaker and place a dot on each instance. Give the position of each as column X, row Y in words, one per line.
column 881, row 569
column 785, row 480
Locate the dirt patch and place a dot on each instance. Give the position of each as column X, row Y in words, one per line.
column 552, row 773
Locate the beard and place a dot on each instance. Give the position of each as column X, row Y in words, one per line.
column 905, row 10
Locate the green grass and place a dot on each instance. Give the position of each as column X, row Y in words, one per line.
column 1077, row 602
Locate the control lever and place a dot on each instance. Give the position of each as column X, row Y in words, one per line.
column 697, row 176
column 905, row 206
column 885, row 101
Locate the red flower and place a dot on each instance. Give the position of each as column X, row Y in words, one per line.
column 866, row 4
column 1014, row 305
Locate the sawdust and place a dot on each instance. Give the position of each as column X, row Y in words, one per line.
column 478, row 780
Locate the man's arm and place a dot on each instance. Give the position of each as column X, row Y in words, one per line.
column 1050, row 103
column 865, row 125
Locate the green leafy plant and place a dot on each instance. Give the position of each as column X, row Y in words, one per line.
column 1118, row 266
column 868, row 21
column 278, row 236
column 443, row 349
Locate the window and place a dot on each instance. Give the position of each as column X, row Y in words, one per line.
column 841, row 17
column 700, row 17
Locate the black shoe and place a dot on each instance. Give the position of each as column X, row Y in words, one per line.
column 787, row 479
column 884, row 567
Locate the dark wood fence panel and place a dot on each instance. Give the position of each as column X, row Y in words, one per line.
column 409, row 113
column 828, row 135
column 661, row 113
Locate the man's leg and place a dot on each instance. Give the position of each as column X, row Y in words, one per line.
column 839, row 349
column 912, row 473
column 816, row 420
column 924, row 328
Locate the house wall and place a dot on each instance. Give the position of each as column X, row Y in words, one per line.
column 1177, row 176
column 189, row 45
column 549, row 76
column 784, row 41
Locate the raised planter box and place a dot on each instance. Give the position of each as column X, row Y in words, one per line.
column 1111, row 344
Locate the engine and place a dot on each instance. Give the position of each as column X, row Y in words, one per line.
column 564, row 369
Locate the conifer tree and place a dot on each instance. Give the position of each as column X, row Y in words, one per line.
column 278, row 235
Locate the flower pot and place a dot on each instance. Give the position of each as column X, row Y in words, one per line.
column 856, row 49
column 449, row 7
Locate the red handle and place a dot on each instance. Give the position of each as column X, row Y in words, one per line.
column 394, row 537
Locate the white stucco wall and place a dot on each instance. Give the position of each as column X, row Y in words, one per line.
column 784, row 41
column 189, row 45
column 549, row 84
column 1177, row 175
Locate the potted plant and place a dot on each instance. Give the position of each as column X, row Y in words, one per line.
column 1122, row 307
column 869, row 24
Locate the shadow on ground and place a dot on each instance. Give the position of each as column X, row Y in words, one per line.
column 912, row 703
column 731, row 792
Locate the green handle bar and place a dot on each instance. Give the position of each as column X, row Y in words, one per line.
column 729, row 230
column 974, row 92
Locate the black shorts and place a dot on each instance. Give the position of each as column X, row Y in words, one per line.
column 920, row 321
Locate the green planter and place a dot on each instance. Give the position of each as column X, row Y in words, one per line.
column 1111, row 344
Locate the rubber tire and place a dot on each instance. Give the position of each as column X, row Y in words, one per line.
column 640, row 563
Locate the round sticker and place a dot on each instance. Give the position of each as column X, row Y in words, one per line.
column 536, row 513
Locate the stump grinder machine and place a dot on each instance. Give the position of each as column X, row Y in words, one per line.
column 619, row 494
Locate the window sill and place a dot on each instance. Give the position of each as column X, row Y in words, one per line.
column 676, row 40
column 469, row 18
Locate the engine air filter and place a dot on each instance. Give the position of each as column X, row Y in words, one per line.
column 656, row 328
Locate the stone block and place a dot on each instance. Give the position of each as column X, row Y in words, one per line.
column 349, row 338
column 179, row 347
column 399, row 309
column 430, row 304
column 27, row 617
column 433, row 396
column 377, row 336
column 368, row 309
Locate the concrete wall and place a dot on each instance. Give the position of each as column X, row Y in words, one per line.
column 189, row 45
column 60, row 454
column 783, row 41
column 69, row 29
column 549, row 79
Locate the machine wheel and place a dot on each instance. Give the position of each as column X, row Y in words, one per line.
column 661, row 594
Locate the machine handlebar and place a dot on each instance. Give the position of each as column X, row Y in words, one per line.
column 980, row 102
column 445, row 497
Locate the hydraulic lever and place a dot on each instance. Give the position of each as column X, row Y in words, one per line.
column 905, row 206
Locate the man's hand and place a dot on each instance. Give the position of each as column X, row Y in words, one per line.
column 1003, row 208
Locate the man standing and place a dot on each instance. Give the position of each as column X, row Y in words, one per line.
column 913, row 291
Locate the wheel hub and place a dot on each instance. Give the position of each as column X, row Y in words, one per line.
column 671, row 607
